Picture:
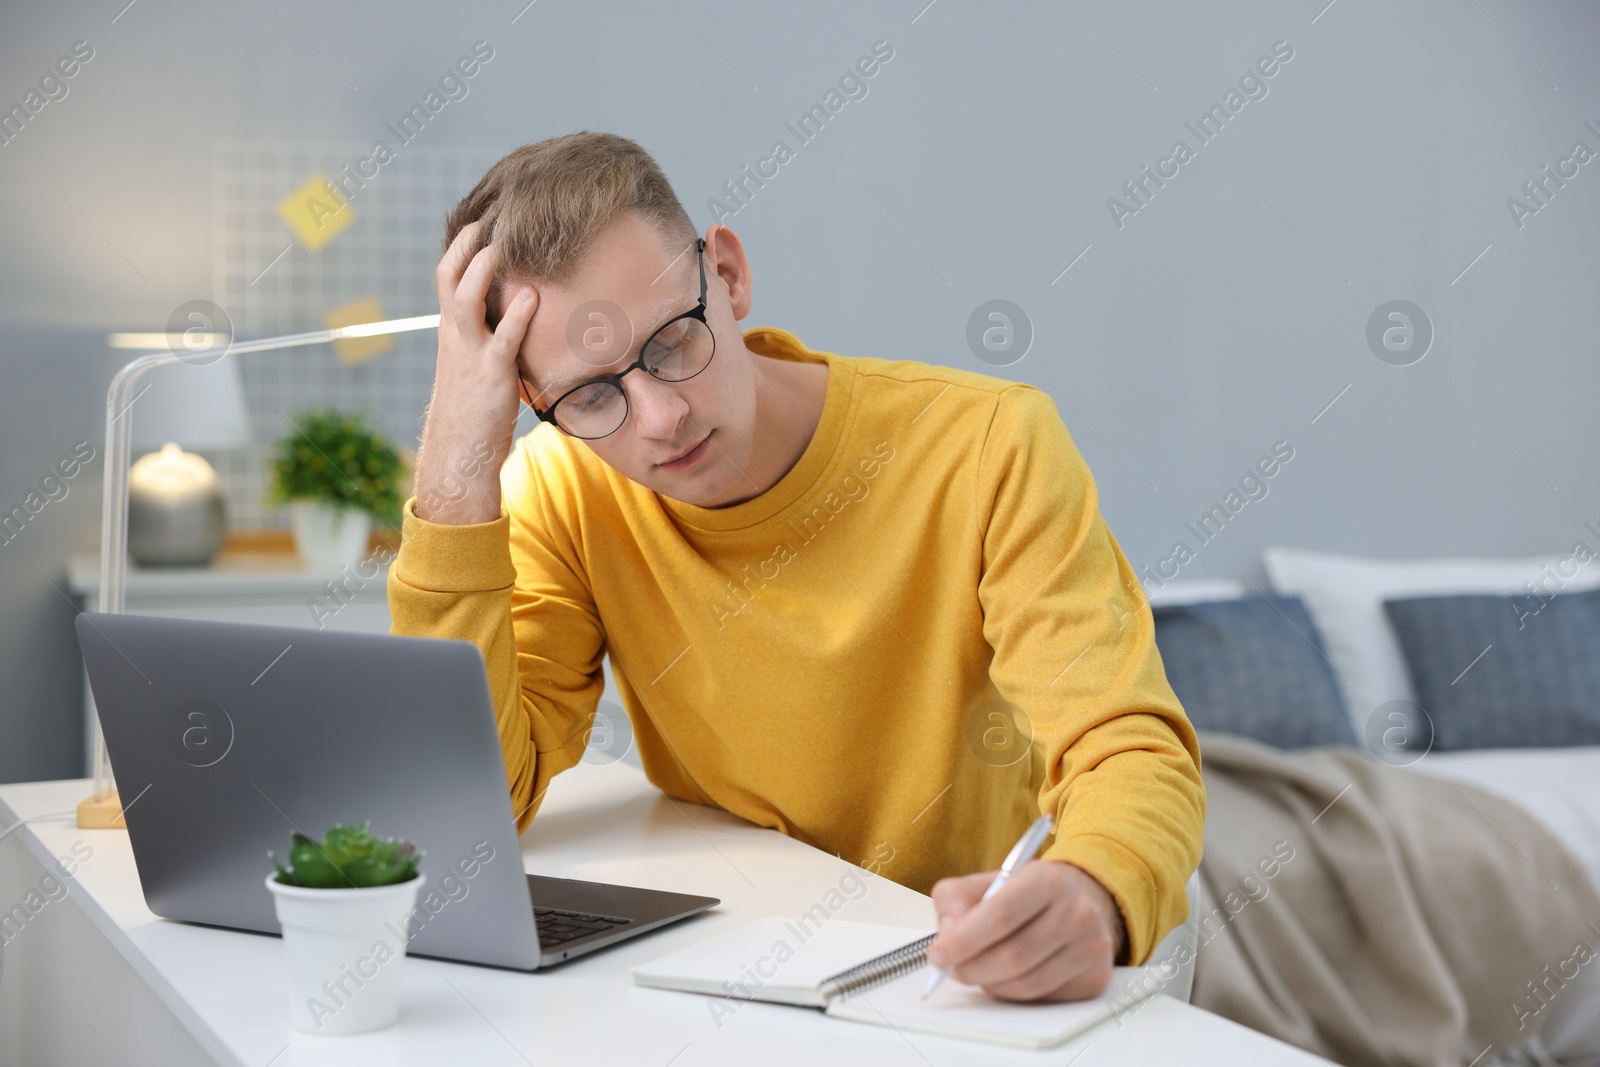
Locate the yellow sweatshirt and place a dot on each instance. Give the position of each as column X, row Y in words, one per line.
column 918, row 640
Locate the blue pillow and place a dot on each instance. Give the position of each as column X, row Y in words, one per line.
column 1493, row 672
column 1253, row 667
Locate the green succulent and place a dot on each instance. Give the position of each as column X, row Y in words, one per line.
column 349, row 857
column 337, row 457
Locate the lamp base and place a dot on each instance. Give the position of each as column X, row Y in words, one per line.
column 103, row 811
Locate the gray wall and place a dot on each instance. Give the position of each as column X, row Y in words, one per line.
column 49, row 379
column 1220, row 318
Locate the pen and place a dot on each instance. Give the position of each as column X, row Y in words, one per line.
column 1020, row 853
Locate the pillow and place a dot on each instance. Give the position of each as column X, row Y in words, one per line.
column 1193, row 591
column 1345, row 596
column 1253, row 667
column 1492, row 673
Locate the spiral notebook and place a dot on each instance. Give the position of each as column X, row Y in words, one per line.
column 871, row 973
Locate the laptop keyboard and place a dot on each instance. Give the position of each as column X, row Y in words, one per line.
column 557, row 927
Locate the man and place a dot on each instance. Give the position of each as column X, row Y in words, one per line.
column 871, row 604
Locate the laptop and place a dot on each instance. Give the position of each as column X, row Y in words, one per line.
column 226, row 737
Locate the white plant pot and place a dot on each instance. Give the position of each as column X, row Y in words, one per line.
column 329, row 537
column 345, row 949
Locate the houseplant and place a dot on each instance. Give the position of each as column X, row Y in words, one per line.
column 336, row 474
column 340, row 902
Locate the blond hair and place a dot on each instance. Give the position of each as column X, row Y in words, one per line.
column 545, row 203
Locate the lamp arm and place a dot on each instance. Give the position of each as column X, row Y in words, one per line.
column 114, row 512
column 120, row 398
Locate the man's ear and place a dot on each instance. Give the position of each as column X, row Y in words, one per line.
column 493, row 310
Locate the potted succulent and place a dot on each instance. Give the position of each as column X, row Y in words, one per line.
column 336, row 474
column 339, row 903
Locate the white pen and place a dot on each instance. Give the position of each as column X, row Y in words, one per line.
column 1020, row 853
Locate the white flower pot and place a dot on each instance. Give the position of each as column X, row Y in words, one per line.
column 329, row 537
column 345, row 949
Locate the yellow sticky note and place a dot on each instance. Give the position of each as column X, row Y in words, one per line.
column 352, row 350
column 316, row 212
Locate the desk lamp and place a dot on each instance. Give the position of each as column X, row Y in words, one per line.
column 103, row 808
column 176, row 515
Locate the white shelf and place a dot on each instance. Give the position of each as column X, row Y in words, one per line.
column 234, row 574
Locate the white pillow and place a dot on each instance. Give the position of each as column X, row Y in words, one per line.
column 1345, row 596
column 1194, row 591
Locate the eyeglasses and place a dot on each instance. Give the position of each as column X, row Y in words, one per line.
column 676, row 352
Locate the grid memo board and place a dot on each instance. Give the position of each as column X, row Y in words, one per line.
column 270, row 284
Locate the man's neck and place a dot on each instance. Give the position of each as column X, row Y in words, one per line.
column 789, row 400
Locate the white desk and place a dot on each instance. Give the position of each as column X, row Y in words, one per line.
column 96, row 978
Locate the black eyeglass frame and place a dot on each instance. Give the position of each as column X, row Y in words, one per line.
column 697, row 312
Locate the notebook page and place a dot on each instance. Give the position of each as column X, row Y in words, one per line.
column 963, row 1011
column 774, row 959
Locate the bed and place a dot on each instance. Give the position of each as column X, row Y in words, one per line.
column 1480, row 672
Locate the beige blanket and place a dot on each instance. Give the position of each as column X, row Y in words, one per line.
column 1378, row 915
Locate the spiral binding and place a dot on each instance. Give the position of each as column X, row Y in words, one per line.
column 874, row 972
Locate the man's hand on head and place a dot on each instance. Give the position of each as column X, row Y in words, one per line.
column 473, row 414
column 1053, row 933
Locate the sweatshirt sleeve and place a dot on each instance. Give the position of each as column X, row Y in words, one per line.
column 1074, row 651
column 514, row 588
